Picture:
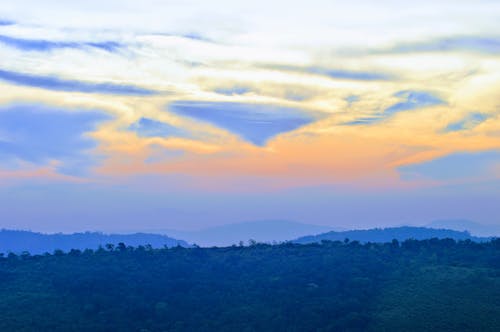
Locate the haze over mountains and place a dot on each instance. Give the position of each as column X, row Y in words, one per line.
column 282, row 230
column 260, row 231
column 270, row 231
column 38, row 243
column 474, row 228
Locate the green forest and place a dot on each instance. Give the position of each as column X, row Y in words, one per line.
column 438, row 285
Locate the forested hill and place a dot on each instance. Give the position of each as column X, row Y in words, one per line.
column 431, row 285
column 37, row 243
column 388, row 234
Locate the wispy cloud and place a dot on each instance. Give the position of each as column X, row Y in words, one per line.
column 468, row 122
column 58, row 84
column 236, row 90
column 196, row 36
column 464, row 43
column 352, row 99
column 349, row 75
column 41, row 45
column 365, row 120
column 335, row 73
column 193, row 36
column 151, row 128
column 411, row 100
column 40, row 135
column 256, row 123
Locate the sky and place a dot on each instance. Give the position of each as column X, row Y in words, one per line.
column 142, row 115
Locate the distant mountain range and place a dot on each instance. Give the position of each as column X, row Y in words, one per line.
column 260, row 231
column 38, row 243
column 388, row 234
column 268, row 231
column 466, row 225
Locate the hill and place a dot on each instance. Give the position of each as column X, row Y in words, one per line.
column 261, row 231
column 388, row 234
column 38, row 243
column 430, row 285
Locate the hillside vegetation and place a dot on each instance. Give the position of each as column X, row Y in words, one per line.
column 440, row 285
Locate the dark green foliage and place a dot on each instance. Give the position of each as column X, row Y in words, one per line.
column 334, row 286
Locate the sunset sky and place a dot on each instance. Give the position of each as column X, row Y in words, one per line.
column 142, row 115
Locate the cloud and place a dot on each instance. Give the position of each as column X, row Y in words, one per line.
column 411, row 100
column 454, row 166
column 465, row 43
column 352, row 99
column 236, row 90
column 151, row 128
column 41, row 135
column 365, row 121
column 335, row 73
column 57, row 84
column 256, row 123
column 41, row 45
column 196, row 36
column 349, row 75
column 468, row 122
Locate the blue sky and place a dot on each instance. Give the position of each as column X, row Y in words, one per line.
column 37, row 135
column 455, row 166
column 252, row 122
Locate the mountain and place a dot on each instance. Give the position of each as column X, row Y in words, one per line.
column 260, row 231
column 388, row 234
column 467, row 225
column 38, row 243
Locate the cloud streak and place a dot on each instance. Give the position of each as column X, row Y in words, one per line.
column 40, row 45
column 465, row 43
column 411, row 100
column 335, row 73
column 468, row 122
column 151, row 128
column 349, row 75
column 236, row 90
column 58, row 84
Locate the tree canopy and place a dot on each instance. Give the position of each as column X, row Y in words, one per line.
column 332, row 286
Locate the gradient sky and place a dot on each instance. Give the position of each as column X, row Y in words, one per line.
column 135, row 115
